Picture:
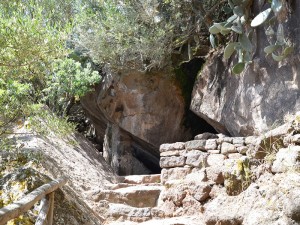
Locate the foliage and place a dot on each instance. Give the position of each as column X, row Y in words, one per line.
column 33, row 63
column 140, row 35
column 239, row 24
column 44, row 122
column 14, row 97
column 67, row 82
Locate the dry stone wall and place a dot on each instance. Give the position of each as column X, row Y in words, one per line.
column 208, row 151
column 198, row 173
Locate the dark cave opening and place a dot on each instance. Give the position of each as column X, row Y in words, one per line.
column 186, row 74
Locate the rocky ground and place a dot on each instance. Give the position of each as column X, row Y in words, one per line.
column 213, row 179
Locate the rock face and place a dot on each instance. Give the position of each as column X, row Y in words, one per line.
column 136, row 112
column 250, row 103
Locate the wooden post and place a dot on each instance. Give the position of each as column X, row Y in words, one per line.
column 41, row 220
column 23, row 205
column 50, row 214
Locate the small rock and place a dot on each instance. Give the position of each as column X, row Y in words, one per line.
column 172, row 153
column 205, row 136
column 240, row 141
column 215, row 160
column 214, row 151
column 170, row 147
column 211, row 144
column 287, row 159
column 173, row 161
column 242, row 150
column 196, row 144
column 191, row 206
column 196, row 158
column 250, row 140
column 215, row 174
column 234, row 156
column 174, row 174
column 200, row 191
column 227, row 148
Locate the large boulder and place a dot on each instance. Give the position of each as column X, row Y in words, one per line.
column 137, row 112
column 250, row 103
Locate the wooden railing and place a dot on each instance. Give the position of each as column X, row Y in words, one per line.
column 45, row 193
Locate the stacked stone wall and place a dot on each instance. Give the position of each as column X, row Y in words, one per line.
column 210, row 151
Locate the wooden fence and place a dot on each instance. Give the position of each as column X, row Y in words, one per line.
column 45, row 193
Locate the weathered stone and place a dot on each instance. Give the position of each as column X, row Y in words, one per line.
column 175, row 194
column 196, row 144
column 171, row 147
column 216, row 191
column 215, row 174
column 140, row 179
column 196, row 158
column 172, row 153
column 205, row 136
column 135, row 196
column 234, row 156
column 129, row 213
column 174, row 174
column 172, row 161
column 287, row 159
column 250, row 140
column 215, row 160
column 168, row 207
column 227, row 139
column 227, row 148
column 249, row 104
column 214, row 151
column 211, row 144
column 197, row 175
column 238, row 141
column 191, row 206
column 242, row 150
column 267, row 201
column 292, row 139
column 200, row 191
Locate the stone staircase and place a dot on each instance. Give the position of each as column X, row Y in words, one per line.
column 132, row 199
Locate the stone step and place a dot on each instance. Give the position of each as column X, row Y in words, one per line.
column 140, row 179
column 184, row 220
column 121, row 212
column 136, row 196
column 125, row 185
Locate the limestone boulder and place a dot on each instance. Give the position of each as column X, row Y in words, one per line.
column 287, row 159
column 134, row 113
column 272, row 199
column 265, row 92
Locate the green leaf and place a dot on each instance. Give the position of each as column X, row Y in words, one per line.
column 261, row 18
column 238, row 68
column 278, row 57
column 229, row 49
column 237, row 29
column 227, row 9
column 230, row 3
column 245, row 42
column 214, row 30
column 269, row 31
column 225, row 32
column 232, row 18
column 212, row 41
column 288, row 50
column 220, row 26
column 280, row 35
column 276, row 6
column 237, row 2
column 271, row 48
column 237, row 10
